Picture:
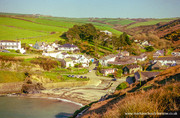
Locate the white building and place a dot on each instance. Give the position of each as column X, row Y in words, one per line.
column 7, row 44
column 68, row 47
column 175, row 53
column 110, row 58
column 169, row 61
column 12, row 45
column 107, row 32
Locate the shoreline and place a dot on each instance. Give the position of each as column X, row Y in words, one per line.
column 43, row 96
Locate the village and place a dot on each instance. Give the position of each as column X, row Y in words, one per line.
column 133, row 67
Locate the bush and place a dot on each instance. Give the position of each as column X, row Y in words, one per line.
column 149, row 48
column 45, row 63
column 122, row 86
column 17, row 51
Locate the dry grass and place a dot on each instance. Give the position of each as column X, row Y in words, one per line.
column 165, row 99
column 161, row 98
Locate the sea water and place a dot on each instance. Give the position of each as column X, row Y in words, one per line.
column 21, row 107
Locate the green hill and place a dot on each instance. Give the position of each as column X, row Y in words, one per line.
column 32, row 28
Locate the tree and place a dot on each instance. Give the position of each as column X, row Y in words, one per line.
column 118, row 73
column 149, row 48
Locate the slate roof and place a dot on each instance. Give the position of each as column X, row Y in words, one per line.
column 68, row 45
column 168, row 58
column 64, row 53
column 133, row 66
column 145, row 75
column 7, row 41
column 108, row 57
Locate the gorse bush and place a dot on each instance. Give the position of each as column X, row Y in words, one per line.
column 8, row 58
column 45, row 63
column 122, row 86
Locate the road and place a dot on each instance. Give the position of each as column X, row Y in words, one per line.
column 97, row 87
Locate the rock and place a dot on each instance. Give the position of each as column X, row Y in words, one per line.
column 32, row 88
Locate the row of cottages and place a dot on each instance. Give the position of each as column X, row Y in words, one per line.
column 131, row 69
column 68, row 48
column 158, row 53
column 141, row 57
column 13, row 45
column 122, row 58
column 52, row 47
column 71, row 61
column 45, row 47
column 175, row 53
column 122, row 61
column 142, row 76
column 168, row 61
column 112, row 57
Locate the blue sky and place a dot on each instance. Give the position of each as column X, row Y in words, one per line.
column 95, row 8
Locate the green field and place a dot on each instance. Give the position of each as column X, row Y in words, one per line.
column 31, row 29
column 150, row 22
column 12, row 33
column 29, row 25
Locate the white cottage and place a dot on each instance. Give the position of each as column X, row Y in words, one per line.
column 110, row 58
column 68, row 47
column 8, row 44
column 169, row 61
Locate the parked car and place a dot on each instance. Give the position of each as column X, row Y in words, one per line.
column 72, row 76
column 85, row 77
column 90, row 70
column 5, row 51
column 114, row 79
column 81, row 77
column 69, row 76
column 77, row 76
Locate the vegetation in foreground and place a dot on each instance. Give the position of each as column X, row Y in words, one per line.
column 160, row 95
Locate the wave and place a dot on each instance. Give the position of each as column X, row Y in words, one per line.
column 64, row 100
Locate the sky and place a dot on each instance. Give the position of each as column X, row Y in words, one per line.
column 95, row 8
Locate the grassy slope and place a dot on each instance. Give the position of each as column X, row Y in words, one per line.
column 8, row 76
column 150, row 22
column 29, row 25
column 30, row 29
column 12, row 33
column 158, row 95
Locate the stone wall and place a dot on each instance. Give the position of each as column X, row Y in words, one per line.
column 14, row 87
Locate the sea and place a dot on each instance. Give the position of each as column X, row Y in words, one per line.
column 23, row 107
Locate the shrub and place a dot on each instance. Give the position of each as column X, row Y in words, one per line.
column 122, row 86
column 149, row 48
column 45, row 63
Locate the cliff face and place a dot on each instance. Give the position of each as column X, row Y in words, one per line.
column 158, row 95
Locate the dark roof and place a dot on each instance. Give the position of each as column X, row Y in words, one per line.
column 68, row 45
column 132, row 66
column 7, row 41
column 149, row 74
column 168, row 58
column 121, row 62
column 145, row 75
column 64, row 53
